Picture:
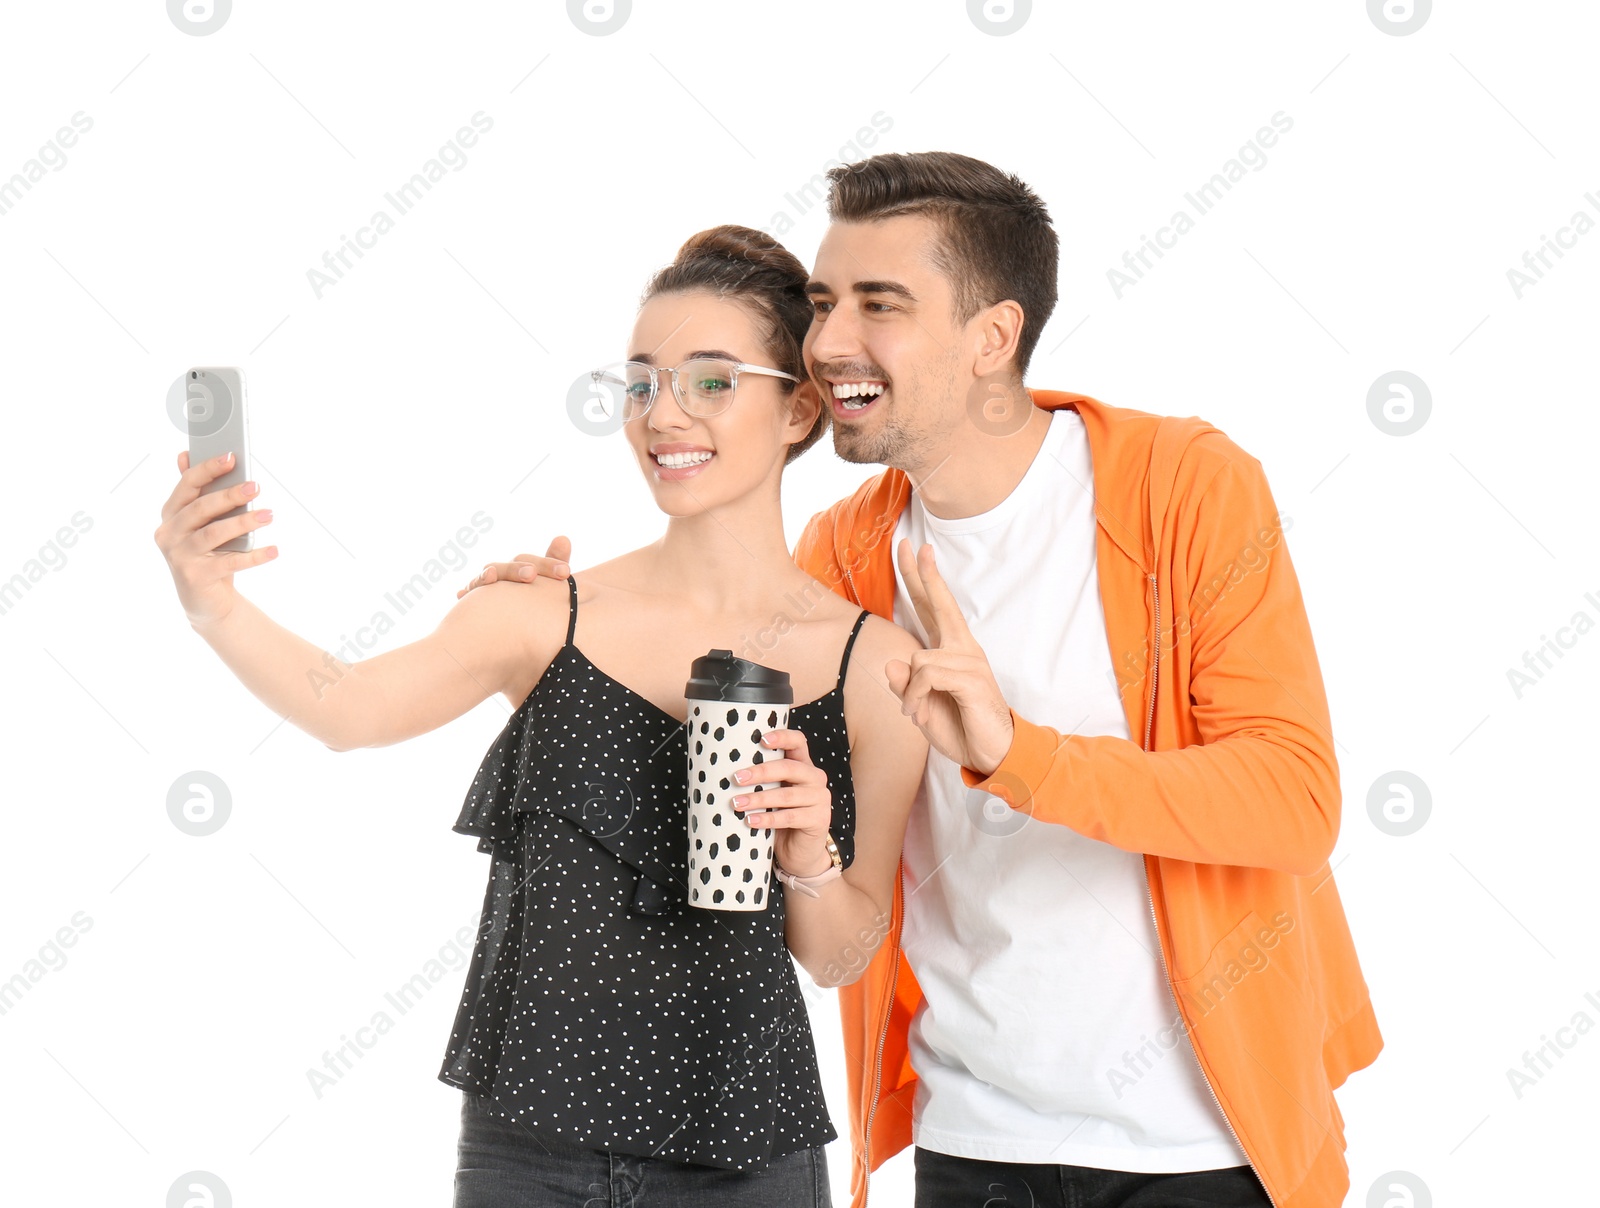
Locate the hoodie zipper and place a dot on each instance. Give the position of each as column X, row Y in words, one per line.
column 1155, row 664
column 877, row 1061
column 883, row 1032
column 1166, row 977
column 888, row 1010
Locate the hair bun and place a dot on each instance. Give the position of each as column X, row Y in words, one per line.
column 747, row 246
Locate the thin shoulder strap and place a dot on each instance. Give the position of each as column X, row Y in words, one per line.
column 845, row 661
column 572, row 608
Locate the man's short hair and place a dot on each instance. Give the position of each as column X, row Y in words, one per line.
column 995, row 239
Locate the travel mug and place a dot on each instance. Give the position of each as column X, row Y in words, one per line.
column 732, row 703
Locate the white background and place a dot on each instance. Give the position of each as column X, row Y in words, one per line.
column 430, row 384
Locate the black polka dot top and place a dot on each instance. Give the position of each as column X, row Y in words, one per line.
column 599, row 1005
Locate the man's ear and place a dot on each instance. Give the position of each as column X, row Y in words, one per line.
column 999, row 331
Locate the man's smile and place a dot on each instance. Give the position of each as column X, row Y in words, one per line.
column 852, row 398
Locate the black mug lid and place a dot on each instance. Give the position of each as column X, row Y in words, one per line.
column 720, row 676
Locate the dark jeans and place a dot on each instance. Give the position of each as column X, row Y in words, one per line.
column 499, row 1164
column 945, row 1181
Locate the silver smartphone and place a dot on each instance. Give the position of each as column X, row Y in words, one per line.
column 215, row 410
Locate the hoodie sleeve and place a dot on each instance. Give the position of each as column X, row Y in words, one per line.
column 1261, row 787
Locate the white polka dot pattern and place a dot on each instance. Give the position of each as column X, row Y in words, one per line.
column 599, row 1007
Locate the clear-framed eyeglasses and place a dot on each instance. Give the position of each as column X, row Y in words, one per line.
column 704, row 386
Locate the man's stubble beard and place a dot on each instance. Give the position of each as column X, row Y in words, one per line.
column 894, row 443
column 884, row 447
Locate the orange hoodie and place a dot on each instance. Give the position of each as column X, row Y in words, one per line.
column 1233, row 793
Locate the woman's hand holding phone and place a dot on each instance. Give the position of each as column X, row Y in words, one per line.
column 190, row 532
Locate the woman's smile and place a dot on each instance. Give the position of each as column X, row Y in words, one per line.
column 676, row 460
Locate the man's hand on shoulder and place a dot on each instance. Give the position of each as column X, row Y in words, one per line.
column 525, row 568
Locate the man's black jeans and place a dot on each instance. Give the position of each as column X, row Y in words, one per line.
column 944, row 1181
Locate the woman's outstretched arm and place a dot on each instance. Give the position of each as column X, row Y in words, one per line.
column 490, row 641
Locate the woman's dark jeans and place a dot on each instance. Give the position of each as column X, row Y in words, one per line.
column 945, row 1181
column 499, row 1164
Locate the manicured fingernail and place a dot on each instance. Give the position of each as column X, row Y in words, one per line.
column 740, row 802
column 524, row 572
column 742, row 775
column 250, row 488
column 561, row 568
column 266, row 515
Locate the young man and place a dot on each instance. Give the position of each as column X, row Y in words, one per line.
column 1117, row 967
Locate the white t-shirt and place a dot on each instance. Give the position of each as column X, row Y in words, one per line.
column 1048, row 1033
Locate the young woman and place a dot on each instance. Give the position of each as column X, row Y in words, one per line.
column 611, row 1039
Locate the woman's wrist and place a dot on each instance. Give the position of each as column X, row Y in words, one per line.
column 813, row 865
column 213, row 622
column 821, row 855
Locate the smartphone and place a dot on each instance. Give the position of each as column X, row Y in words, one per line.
column 215, row 410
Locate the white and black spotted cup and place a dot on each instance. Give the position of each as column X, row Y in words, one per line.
column 732, row 703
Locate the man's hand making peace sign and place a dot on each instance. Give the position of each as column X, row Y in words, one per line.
column 948, row 689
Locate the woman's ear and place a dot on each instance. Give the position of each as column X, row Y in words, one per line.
column 805, row 404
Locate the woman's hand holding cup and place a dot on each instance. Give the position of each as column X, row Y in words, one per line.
column 799, row 812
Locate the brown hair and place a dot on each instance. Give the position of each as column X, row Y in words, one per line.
column 754, row 268
column 995, row 238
